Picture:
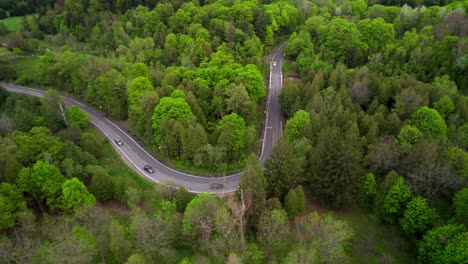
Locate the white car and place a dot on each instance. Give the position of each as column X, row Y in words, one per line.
column 274, row 63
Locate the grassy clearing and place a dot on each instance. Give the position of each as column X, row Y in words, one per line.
column 376, row 242
column 26, row 66
column 13, row 24
column 113, row 163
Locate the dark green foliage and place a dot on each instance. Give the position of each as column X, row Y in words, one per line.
column 281, row 170
column 336, row 165
column 90, row 143
column 254, row 189
column 7, row 73
column 102, row 185
column 460, row 205
column 182, row 197
column 294, row 202
column 12, row 168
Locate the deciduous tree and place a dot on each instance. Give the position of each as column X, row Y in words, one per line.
column 418, row 218
column 395, row 200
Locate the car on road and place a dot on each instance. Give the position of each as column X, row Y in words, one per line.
column 274, row 63
column 118, row 142
column 148, row 169
column 216, row 186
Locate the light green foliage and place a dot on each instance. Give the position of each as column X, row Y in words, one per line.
column 254, row 254
column 85, row 240
column 136, row 259
column 203, row 211
column 119, row 244
column 135, row 70
column 297, row 43
column 322, row 238
column 43, row 182
column 11, row 203
column 408, row 136
column 273, row 226
column 395, row 200
column 368, row 189
column 166, row 210
column 302, row 255
column 252, row 78
column 296, row 124
column 444, row 106
column 34, row 144
column 76, row 116
column 18, row 52
column 178, row 94
column 460, row 204
column 182, row 198
column 433, row 246
column 170, row 108
column 418, row 217
column 209, row 156
column 135, row 88
column 455, row 251
column 427, row 119
column 343, row 41
column 376, row 33
column 232, row 131
column 74, row 193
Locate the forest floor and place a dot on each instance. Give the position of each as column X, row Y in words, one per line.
column 374, row 241
column 13, row 24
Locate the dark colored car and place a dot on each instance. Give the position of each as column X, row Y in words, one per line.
column 118, row 142
column 148, row 169
column 216, row 186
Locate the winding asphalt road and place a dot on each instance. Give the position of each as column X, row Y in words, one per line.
column 136, row 155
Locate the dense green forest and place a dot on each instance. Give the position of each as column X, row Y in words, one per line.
column 375, row 98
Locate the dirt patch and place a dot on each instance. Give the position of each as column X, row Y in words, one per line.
column 370, row 249
column 116, row 207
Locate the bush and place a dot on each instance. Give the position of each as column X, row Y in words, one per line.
column 24, row 80
column 18, row 52
column 3, row 28
column 7, row 73
column 102, row 186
